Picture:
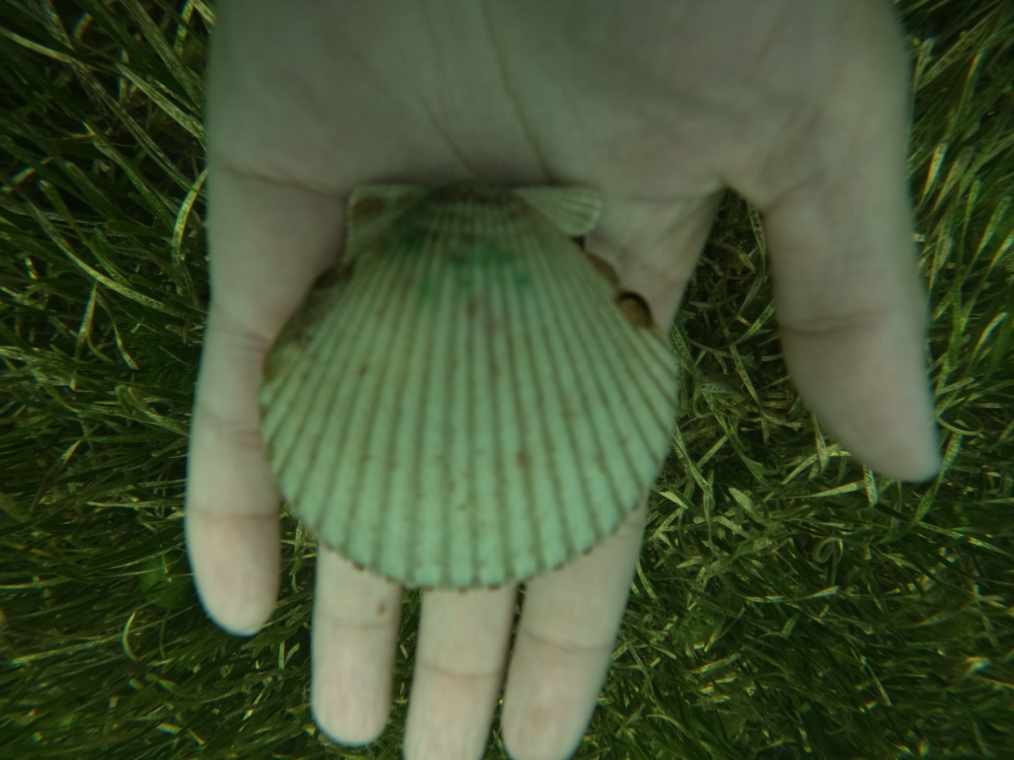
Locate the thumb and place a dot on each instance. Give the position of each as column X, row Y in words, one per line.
column 267, row 244
column 849, row 299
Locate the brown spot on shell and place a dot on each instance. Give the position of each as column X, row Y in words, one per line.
column 381, row 608
column 269, row 448
column 472, row 307
column 634, row 308
column 604, row 268
column 271, row 364
column 368, row 208
column 632, row 305
column 275, row 358
column 294, row 335
column 466, row 239
column 522, row 459
column 331, row 277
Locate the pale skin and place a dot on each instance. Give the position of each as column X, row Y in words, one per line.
column 800, row 107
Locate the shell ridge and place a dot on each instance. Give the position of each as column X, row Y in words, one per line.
column 270, row 390
column 538, row 245
column 495, row 289
column 312, row 423
column 452, row 409
column 369, row 398
column 572, row 210
column 659, row 358
column 470, row 496
column 483, row 462
column 393, row 397
column 314, row 497
column 423, row 348
column 636, row 401
column 627, row 340
column 298, row 464
column 659, row 361
column 532, row 252
column 523, row 367
column 662, row 377
column 281, row 428
column 566, row 344
column 415, row 397
column 487, row 509
column 273, row 424
column 648, row 385
column 478, row 507
column 566, row 302
column 441, row 346
column 300, row 407
column 276, row 390
column 612, row 390
column 438, row 553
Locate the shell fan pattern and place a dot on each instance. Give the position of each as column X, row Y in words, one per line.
column 463, row 402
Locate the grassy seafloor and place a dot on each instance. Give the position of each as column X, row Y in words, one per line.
column 788, row 602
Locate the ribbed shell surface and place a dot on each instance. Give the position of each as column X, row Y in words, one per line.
column 462, row 403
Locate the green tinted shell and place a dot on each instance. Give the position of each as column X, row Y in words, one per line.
column 465, row 402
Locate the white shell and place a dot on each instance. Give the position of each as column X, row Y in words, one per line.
column 462, row 403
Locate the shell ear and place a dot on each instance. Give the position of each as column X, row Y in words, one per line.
column 574, row 210
column 371, row 208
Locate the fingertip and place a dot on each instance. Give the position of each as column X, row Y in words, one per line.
column 916, row 475
column 350, row 741
column 235, row 561
column 238, row 630
column 551, row 719
column 908, row 447
column 344, row 719
column 926, row 464
column 241, row 615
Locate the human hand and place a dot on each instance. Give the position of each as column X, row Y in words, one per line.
column 800, row 107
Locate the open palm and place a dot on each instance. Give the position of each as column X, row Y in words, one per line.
column 800, row 107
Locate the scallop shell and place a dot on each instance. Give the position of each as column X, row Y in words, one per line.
column 464, row 402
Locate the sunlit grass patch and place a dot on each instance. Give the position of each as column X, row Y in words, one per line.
column 788, row 601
